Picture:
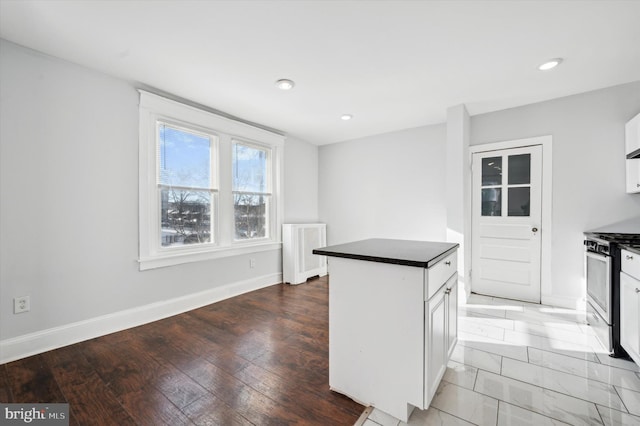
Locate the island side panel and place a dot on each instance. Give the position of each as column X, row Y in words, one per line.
column 376, row 333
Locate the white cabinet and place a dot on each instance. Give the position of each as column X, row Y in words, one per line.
column 441, row 334
column 298, row 261
column 632, row 146
column 630, row 304
column 391, row 331
column 452, row 322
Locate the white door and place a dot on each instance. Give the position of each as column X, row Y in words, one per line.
column 506, row 226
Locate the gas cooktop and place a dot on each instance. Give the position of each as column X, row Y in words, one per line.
column 626, row 232
column 625, row 239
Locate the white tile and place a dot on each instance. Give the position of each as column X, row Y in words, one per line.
column 479, row 299
column 489, row 320
column 498, row 347
column 370, row 423
column 534, row 398
column 552, row 345
column 509, row 415
column 488, row 310
column 476, row 358
column 613, row 417
column 618, row 362
column 460, row 374
column 383, row 418
column 565, row 332
column 568, row 384
column 557, row 314
column 490, row 306
column 587, row 369
column 631, row 400
column 466, row 404
column 587, row 329
column 540, row 316
column 483, row 328
column 434, row 417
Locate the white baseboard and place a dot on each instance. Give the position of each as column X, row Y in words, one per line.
column 57, row 337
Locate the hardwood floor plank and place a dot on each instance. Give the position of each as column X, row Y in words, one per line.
column 300, row 400
column 260, row 358
column 91, row 402
column 31, row 380
column 211, row 411
column 249, row 403
column 150, row 407
column 212, row 345
column 121, row 369
column 5, row 391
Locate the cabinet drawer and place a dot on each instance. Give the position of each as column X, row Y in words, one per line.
column 631, row 264
column 439, row 273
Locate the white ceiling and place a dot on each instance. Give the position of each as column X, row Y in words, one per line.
column 392, row 64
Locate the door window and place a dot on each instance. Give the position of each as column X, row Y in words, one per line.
column 519, row 192
column 492, row 186
column 516, row 188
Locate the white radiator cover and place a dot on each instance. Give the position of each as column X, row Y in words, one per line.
column 298, row 261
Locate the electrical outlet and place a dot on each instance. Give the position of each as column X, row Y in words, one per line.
column 21, row 304
column 252, row 263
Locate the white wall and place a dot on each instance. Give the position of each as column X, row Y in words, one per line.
column 588, row 169
column 385, row 186
column 300, row 182
column 69, row 210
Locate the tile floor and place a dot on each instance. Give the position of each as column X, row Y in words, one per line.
column 524, row 364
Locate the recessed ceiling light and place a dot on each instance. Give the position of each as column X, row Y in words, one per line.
column 347, row 117
column 550, row 64
column 285, row 84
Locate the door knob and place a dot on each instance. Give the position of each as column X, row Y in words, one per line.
column 534, row 229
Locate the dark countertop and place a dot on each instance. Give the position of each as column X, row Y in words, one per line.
column 422, row 254
column 632, row 249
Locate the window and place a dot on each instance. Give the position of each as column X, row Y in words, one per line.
column 186, row 186
column 208, row 185
column 251, row 192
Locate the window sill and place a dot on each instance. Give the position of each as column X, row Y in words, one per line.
column 171, row 259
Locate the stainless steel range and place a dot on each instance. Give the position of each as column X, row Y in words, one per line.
column 602, row 258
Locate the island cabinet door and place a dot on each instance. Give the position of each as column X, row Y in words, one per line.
column 452, row 314
column 436, row 343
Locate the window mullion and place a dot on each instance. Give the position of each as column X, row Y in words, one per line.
column 225, row 200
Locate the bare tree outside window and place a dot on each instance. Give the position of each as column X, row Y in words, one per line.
column 185, row 184
column 251, row 191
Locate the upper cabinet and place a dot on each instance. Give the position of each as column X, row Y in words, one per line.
column 632, row 151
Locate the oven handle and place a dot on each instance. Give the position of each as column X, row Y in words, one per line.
column 597, row 254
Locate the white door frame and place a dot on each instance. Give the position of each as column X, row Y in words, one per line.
column 546, row 224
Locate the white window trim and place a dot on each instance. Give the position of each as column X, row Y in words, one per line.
column 272, row 207
column 151, row 255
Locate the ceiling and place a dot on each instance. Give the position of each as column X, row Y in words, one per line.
column 392, row 64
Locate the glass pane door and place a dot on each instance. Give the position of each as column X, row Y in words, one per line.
column 519, row 185
column 492, row 186
column 514, row 193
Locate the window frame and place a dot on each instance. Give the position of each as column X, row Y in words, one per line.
column 213, row 189
column 269, row 165
column 225, row 131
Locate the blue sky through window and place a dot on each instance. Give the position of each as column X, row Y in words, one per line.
column 249, row 168
column 185, row 158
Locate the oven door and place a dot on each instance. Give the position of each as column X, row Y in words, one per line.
column 599, row 284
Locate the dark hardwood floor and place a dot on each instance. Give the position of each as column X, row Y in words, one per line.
column 260, row 358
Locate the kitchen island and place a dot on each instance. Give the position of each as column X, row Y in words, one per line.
column 392, row 320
